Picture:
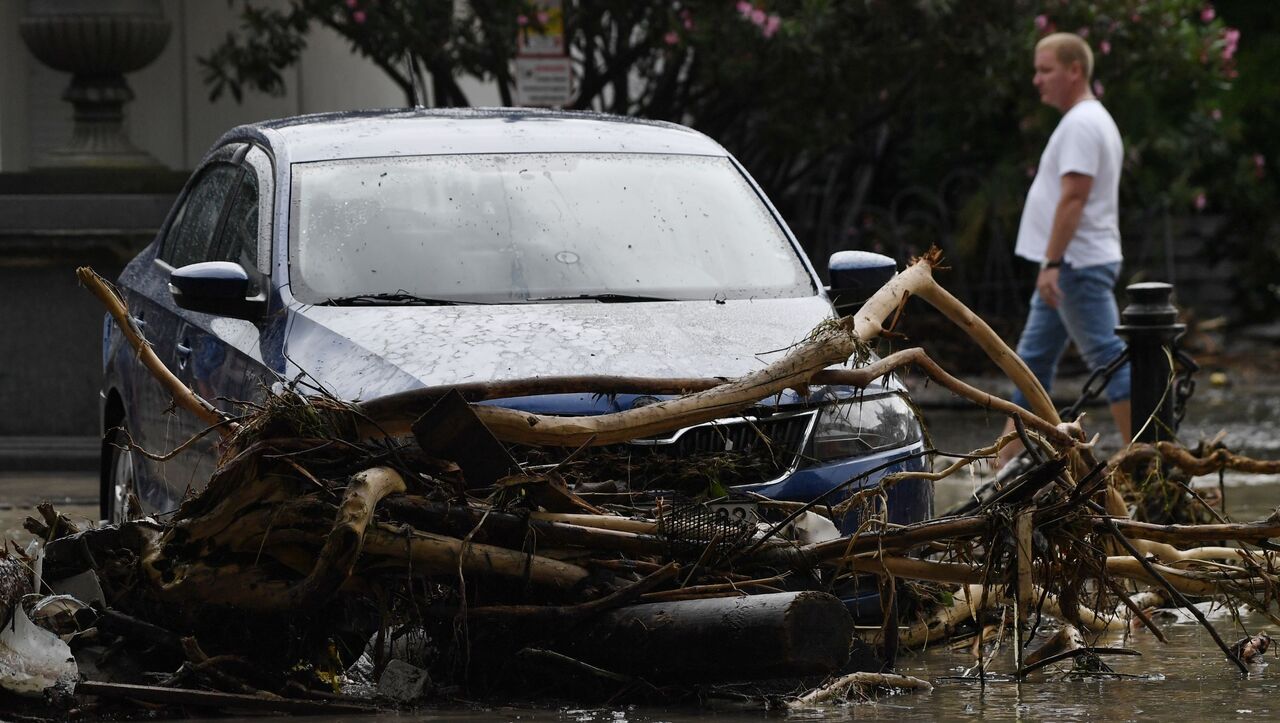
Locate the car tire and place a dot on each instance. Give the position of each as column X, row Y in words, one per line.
column 120, row 490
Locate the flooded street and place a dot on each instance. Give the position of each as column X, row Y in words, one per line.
column 1188, row 678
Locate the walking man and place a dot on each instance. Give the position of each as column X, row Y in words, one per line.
column 1071, row 227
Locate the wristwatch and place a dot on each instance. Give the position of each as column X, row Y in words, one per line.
column 1050, row 264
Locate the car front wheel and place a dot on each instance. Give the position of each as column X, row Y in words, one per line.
column 122, row 502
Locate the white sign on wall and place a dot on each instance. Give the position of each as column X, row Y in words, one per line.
column 544, row 75
column 544, row 82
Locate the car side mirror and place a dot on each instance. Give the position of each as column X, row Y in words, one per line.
column 216, row 287
column 855, row 276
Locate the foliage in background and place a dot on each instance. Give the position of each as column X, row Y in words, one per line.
column 892, row 122
column 1249, row 192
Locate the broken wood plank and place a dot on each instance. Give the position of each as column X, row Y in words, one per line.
column 451, row 430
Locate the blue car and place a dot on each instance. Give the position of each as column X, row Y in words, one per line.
column 377, row 252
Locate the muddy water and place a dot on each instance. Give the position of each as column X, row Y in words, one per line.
column 1185, row 680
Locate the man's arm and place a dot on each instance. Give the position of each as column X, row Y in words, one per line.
column 1066, row 219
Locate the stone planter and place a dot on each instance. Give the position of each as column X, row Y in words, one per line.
column 97, row 41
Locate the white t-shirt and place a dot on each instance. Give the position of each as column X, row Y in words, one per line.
column 1085, row 141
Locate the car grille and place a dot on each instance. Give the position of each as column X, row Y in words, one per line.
column 779, row 438
column 725, row 453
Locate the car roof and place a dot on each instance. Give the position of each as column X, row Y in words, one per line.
column 420, row 131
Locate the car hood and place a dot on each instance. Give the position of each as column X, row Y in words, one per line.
column 365, row 352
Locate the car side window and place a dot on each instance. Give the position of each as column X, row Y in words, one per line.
column 191, row 237
column 240, row 232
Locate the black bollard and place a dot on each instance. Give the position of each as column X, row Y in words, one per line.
column 1150, row 326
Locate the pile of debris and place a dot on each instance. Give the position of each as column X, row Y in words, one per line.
column 348, row 556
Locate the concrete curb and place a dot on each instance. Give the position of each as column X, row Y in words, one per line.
column 24, row 454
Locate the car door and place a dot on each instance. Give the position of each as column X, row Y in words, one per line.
column 156, row 426
column 220, row 357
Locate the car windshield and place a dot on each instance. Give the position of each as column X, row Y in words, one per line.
column 513, row 228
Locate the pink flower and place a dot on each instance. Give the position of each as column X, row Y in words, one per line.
column 543, row 17
column 1105, row 47
column 771, row 25
column 1231, row 42
column 1259, row 165
column 1216, row 115
column 1098, row 90
column 745, row 8
column 1207, row 14
column 757, row 16
column 671, row 38
column 358, row 16
column 522, row 20
column 1031, row 171
column 352, row 4
column 1201, row 201
column 1042, row 22
column 1083, row 32
column 686, row 19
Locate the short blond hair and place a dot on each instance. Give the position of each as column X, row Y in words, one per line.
column 1069, row 48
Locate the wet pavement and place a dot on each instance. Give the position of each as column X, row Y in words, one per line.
column 75, row 494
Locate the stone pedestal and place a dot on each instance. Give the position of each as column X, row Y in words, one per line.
column 97, row 41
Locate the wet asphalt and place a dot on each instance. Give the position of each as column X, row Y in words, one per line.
column 73, row 493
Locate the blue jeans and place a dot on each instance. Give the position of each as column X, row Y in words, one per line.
column 1087, row 316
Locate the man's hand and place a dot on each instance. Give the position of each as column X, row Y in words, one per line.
column 1047, row 285
column 1066, row 219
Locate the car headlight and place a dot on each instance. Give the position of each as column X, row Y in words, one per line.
column 858, row 426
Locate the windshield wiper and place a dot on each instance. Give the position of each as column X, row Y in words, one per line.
column 603, row 298
column 399, row 297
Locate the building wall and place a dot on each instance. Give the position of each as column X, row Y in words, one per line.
column 171, row 116
column 13, row 88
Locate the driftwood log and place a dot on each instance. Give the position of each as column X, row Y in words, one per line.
column 839, row 688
